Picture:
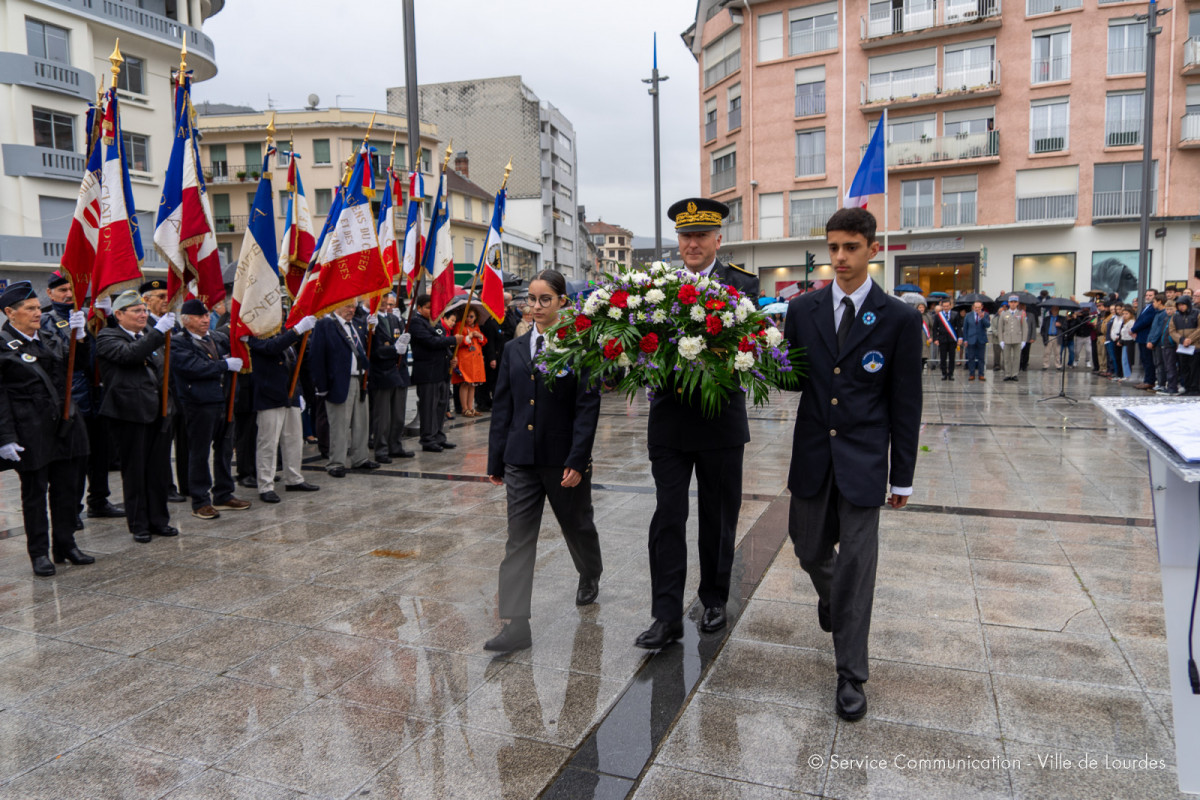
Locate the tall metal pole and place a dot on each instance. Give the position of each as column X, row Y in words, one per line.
column 413, row 109
column 654, row 80
column 1147, row 195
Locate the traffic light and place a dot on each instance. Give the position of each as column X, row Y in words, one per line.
column 810, row 262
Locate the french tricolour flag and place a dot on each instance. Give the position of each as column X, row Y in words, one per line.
column 871, row 177
column 116, row 267
column 296, row 249
column 439, row 253
column 79, row 255
column 413, row 227
column 491, row 262
column 257, row 307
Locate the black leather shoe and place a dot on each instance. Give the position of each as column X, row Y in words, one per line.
column 659, row 635
column 431, row 448
column 250, row 482
column 383, row 459
column 336, row 472
column 367, row 466
column 823, row 616
column 713, row 619
column 42, row 567
column 304, row 486
column 142, row 537
column 448, row 445
column 268, row 497
column 106, row 510
column 75, row 556
column 403, row 454
column 166, row 531
column 851, row 700
column 175, row 497
column 78, row 522
column 588, row 589
column 514, row 636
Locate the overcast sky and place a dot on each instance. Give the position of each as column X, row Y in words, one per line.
column 587, row 59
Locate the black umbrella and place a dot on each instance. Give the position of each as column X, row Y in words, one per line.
column 967, row 298
column 1022, row 297
column 1063, row 303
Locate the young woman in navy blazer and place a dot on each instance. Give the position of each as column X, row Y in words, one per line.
column 540, row 447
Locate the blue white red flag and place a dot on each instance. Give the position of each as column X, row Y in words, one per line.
column 414, row 241
column 871, row 177
column 439, row 253
column 491, row 262
column 296, row 248
column 389, row 248
column 79, row 255
column 257, row 307
column 117, row 266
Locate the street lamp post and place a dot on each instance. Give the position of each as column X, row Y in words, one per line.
column 654, row 80
column 1147, row 198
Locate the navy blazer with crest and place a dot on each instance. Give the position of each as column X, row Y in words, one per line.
column 856, row 406
column 534, row 425
column 331, row 351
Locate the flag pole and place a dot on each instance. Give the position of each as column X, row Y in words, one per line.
column 167, row 336
column 883, row 122
column 370, row 327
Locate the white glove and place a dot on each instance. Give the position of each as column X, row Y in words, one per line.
column 1002, row 345
column 301, row 403
column 1023, row 345
column 402, row 348
column 234, row 364
column 372, row 320
column 77, row 320
column 405, row 338
column 396, row 313
column 322, row 394
column 245, row 338
column 305, row 325
column 9, row 452
column 166, row 322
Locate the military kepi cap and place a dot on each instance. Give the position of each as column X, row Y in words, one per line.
column 152, row 285
column 126, row 299
column 57, row 279
column 193, row 307
column 16, row 293
column 698, row 214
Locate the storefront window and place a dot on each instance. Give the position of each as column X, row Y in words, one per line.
column 1052, row 272
column 774, row 279
column 950, row 274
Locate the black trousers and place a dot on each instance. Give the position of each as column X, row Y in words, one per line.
column 432, row 401
column 180, row 437
column 145, row 450
column 245, row 429
column 59, row 479
column 946, row 355
column 389, row 408
column 209, row 432
column 528, row 490
column 1025, row 356
column 93, row 470
column 719, row 500
column 1189, row 376
column 845, row 578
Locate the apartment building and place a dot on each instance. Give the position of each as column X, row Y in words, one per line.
column 53, row 60
column 614, row 244
column 1014, row 137
column 471, row 208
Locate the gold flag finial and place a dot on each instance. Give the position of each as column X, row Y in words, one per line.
column 183, row 57
column 370, row 125
column 507, row 171
column 116, row 61
column 392, row 160
column 449, row 152
column 271, row 129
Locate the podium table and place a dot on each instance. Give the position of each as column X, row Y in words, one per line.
column 1175, row 491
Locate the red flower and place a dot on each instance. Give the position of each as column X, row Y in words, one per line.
column 620, row 298
column 688, row 294
column 562, row 332
column 746, row 345
column 649, row 343
column 582, row 323
column 734, row 293
column 715, row 305
column 713, row 325
column 613, row 349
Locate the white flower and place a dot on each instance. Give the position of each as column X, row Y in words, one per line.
column 743, row 361
column 774, row 337
column 641, row 316
column 590, row 305
column 703, row 283
column 640, row 278
column 691, row 346
column 602, row 294
column 659, row 266
column 614, row 313
column 660, row 281
column 655, row 295
column 727, row 319
column 634, row 300
column 698, row 312
column 623, row 360
column 744, row 309
column 659, row 316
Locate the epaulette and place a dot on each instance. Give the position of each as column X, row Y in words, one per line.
column 743, row 270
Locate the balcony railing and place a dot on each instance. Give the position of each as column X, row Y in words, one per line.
column 960, row 213
column 1191, row 128
column 924, row 82
column 231, row 224
column 1191, row 53
column 813, row 164
column 735, row 118
column 923, row 15
column 39, row 73
column 971, row 77
column 1126, row 203
column 933, row 150
column 916, row 216
column 1126, row 60
column 710, row 130
column 146, row 23
column 1047, row 140
column 809, row 225
column 22, row 160
column 809, row 104
column 813, row 41
column 726, row 66
column 732, row 231
column 1047, row 207
column 1122, row 132
column 1034, row 7
column 1047, row 70
column 725, row 179
column 221, row 172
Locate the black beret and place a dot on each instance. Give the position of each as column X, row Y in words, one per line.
column 16, row 293
column 194, row 307
column 698, row 214
column 152, row 285
column 56, row 279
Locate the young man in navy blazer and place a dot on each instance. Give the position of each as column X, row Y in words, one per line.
column 860, row 404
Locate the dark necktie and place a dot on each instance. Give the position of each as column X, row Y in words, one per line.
column 537, row 347
column 211, row 347
column 843, row 329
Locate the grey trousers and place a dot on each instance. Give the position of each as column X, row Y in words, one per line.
column 845, row 578
column 1011, row 359
column 278, row 428
column 388, row 410
column 528, row 490
column 432, row 401
column 348, row 428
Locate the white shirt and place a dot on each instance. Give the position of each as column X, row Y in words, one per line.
column 533, row 337
column 351, row 334
column 136, row 335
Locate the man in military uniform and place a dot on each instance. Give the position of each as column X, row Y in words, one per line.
column 154, row 296
column 681, row 439
column 131, row 366
column 388, row 382
column 34, row 438
column 1011, row 330
column 85, row 397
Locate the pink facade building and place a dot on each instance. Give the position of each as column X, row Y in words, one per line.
column 1014, row 137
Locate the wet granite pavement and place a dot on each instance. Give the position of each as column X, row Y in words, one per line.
column 330, row 645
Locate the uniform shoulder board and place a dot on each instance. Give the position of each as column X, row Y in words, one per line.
column 62, row 323
column 14, row 345
column 742, row 270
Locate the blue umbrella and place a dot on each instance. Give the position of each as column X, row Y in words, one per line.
column 775, row 308
column 765, row 301
column 938, row 295
column 907, row 287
